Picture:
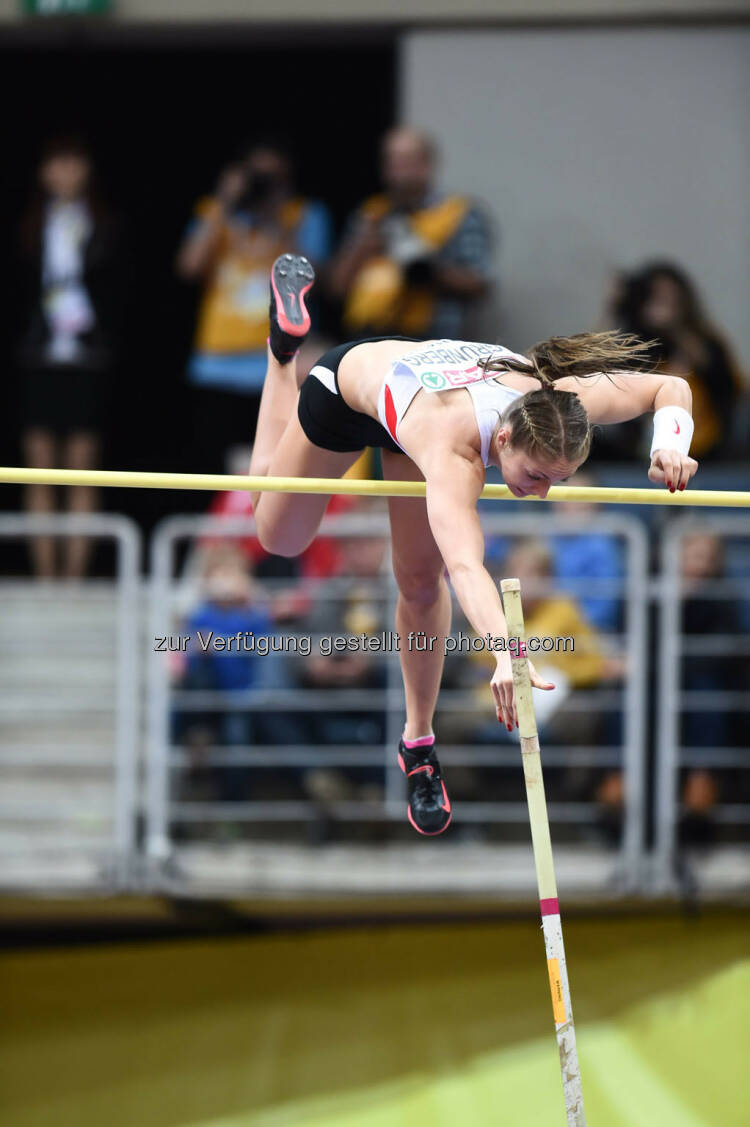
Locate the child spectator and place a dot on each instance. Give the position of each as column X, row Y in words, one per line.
column 355, row 603
column 232, row 603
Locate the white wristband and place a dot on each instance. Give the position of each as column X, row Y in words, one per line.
column 673, row 430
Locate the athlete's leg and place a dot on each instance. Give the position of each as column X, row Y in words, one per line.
column 424, row 601
column 287, row 522
column 278, row 403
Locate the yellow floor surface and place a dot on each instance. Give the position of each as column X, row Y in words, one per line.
column 399, row 1026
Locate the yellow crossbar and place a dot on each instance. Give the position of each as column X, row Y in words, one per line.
column 126, row 479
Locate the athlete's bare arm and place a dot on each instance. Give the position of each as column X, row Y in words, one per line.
column 454, row 484
column 627, row 395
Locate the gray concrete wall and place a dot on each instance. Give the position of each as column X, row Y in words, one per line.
column 594, row 149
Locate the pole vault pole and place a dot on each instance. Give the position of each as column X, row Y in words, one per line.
column 545, row 869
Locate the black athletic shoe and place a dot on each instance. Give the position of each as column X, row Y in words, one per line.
column 429, row 807
column 291, row 278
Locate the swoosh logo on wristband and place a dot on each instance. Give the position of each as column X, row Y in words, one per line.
column 676, row 427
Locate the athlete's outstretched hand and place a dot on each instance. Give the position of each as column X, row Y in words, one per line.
column 502, row 690
column 672, row 468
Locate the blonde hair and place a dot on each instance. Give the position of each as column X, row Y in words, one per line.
column 553, row 424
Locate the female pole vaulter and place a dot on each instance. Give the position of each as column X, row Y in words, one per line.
column 441, row 412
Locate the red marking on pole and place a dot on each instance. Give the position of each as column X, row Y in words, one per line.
column 550, row 907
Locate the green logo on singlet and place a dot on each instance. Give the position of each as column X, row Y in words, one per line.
column 434, row 381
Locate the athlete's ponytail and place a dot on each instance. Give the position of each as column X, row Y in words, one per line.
column 553, row 424
column 585, row 354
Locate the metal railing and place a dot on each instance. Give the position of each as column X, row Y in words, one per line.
column 165, row 758
column 113, row 856
column 674, row 702
column 90, row 844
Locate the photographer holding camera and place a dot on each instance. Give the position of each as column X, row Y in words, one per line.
column 413, row 260
column 229, row 247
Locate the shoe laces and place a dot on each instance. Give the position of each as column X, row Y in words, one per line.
column 424, row 775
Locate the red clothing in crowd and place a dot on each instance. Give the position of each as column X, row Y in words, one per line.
column 320, row 560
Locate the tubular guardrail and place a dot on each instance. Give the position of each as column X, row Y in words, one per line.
column 118, row 860
column 674, row 702
column 112, row 854
column 163, row 813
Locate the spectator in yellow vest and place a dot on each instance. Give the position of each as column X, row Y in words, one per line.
column 586, row 664
column 550, row 613
column 413, row 260
column 229, row 247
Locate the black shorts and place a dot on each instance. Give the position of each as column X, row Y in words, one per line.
column 328, row 421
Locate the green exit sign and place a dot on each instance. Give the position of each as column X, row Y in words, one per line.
column 65, row 7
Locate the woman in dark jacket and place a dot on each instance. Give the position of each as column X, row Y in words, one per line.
column 660, row 303
column 73, row 300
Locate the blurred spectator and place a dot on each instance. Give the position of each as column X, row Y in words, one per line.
column 349, row 606
column 706, row 611
column 322, row 558
column 319, row 561
column 232, row 603
column 413, row 260
column 660, row 302
column 551, row 614
column 586, row 556
column 253, row 216
column 76, row 279
column 578, row 556
column 547, row 614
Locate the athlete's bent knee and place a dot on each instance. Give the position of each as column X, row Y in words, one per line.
column 419, row 586
column 278, row 538
column 278, row 542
